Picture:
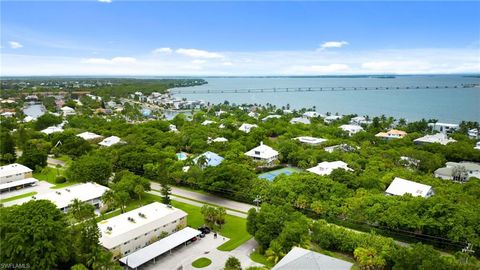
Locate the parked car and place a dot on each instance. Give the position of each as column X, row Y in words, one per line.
column 202, row 235
column 204, row 230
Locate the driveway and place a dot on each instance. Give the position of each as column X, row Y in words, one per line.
column 208, row 198
column 182, row 257
column 40, row 188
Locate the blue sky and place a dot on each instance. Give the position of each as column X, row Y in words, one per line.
column 238, row 38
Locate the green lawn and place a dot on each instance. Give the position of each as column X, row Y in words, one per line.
column 18, row 197
column 49, row 174
column 259, row 258
column 201, row 262
column 235, row 228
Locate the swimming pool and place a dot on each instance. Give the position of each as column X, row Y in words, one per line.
column 272, row 174
column 181, row 156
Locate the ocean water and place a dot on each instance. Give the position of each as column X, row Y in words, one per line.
column 447, row 105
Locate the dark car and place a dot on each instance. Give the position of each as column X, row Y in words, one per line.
column 204, row 230
column 202, row 235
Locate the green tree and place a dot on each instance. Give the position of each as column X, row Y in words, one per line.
column 275, row 252
column 47, row 120
column 35, row 232
column 90, row 168
column 368, row 259
column 33, row 156
column 7, row 148
column 166, row 191
column 232, row 263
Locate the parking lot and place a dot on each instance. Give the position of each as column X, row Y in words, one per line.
column 183, row 256
column 40, row 188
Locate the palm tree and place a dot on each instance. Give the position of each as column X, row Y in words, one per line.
column 109, row 198
column 275, row 252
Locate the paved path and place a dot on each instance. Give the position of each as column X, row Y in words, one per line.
column 53, row 162
column 183, row 200
column 208, row 198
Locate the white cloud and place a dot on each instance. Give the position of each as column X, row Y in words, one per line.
column 162, row 50
column 333, row 44
column 199, row 62
column 15, row 45
column 198, row 53
column 313, row 62
column 105, row 1
column 104, row 61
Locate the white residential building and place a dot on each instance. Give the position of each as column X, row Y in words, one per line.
column 311, row 114
column 332, row 118
column 310, row 140
column 304, row 259
column 326, row 168
column 263, row 153
column 360, row 120
column 247, row 127
column 444, row 127
column 392, row 134
column 89, row 136
column 400, row 187
column 217, row 140
column 208, row 122
column 173, row 128
column 477, row 146
column 341, row 147
column 87, row 192
column 300, row 120
column 473, row 133
column 253, row 114
column 440, row 138
column 15, row 176
column 272, row 116
column 109, row 141
column 461, row 171
column 139, row 228
column 51, row 130
column 220, row 113
column 67, row 111
column 351, row 129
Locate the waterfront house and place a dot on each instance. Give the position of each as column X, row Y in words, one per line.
column 273, row 116
column 326, row 168
column 340, row 147
column 263, row 153
column 458, row 171
column 351, row 129
column 440, row 138
column 473, row 133
column 332, row 118
column 360, row 120
column 310, row 114
column 445, row 128
column 400, row 187
column 392, row 134
column 300, row 120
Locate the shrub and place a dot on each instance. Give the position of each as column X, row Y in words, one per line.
column 60, row 179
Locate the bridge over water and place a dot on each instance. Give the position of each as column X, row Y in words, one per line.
column 315, row 89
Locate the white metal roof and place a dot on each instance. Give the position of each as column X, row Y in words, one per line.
column 400, row 186
column 63, row 197
column 351, row 128
column 110, row 141
column 301, row 120
column 272, row 116
column 299, row 258
column 245, row 127
column 207, row 122
column 89, row 136
column 119, row 229
column 310, row 140
column 326, row 168
column 13, row 169
column 149, row 252
column 220, row 139
column 435, row 138
column 17, row 183
column 262, row 151
column 52, row 129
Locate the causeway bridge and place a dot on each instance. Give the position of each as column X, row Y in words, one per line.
column 316, row 89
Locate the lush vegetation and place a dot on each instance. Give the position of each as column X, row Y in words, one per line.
column 292, row 205
column 201, row 262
